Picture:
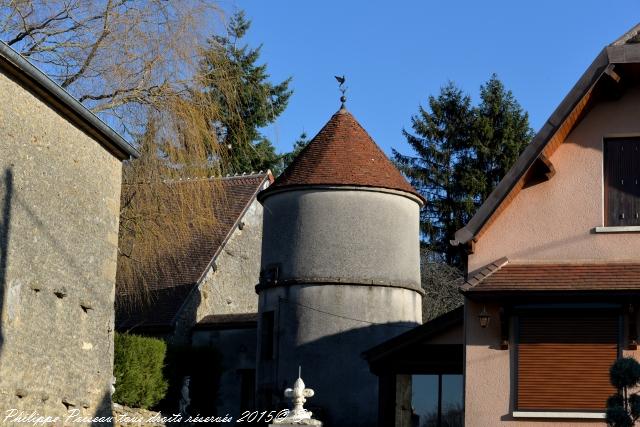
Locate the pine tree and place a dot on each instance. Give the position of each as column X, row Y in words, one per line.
column 255, row 102
column 460, row 154
column 287, row 158
column 442, row 134
column 501, row 133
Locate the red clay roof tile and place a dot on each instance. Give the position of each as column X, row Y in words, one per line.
column 342, row 154
column 611, row 276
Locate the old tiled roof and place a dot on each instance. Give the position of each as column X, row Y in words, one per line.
column 502, row 276
column 170, row 287
column 342, row 154
column 229, row 318
column 228, row 321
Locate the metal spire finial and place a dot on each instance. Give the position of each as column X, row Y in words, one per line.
column 343, row 89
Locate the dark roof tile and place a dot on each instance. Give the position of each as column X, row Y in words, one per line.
column 169, row 288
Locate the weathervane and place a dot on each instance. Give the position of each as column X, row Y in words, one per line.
column 342, row 88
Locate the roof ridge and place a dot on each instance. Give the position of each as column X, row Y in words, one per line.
column 245, row 175
column 628, row 36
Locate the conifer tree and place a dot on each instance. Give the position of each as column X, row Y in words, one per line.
column 460, row 154
column 501, row 133
column 287, row 158
column 254, row 103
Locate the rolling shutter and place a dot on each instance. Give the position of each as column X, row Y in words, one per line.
column 563, row 360
column 622, row 181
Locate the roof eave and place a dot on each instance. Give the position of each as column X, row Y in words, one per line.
column 586, row 82
column 433, row 327
column 38, row 82
column 264, row 194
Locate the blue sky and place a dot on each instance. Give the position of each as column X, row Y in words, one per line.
column 396, row 54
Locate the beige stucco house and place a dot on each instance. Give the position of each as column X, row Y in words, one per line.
column 60, row 174
column 554, row 259
column 552, row 286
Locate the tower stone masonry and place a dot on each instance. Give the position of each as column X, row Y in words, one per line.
column 340, row 271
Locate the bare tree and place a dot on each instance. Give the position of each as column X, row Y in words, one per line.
column 120, row 58
column 137, row 64
column 440, row 281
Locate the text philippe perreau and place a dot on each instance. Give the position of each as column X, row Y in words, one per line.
column 74, row 416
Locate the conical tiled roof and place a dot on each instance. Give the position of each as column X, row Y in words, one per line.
column 342, row 154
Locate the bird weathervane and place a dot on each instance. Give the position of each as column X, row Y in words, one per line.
column 342, row 88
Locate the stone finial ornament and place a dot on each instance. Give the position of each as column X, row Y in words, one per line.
column 298, row 396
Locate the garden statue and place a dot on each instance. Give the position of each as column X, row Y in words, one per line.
column 185, row 401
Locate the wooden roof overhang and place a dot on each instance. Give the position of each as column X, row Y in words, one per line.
column 411, row 352
column 233, row 321
column 616, row 67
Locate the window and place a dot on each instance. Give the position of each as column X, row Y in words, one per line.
column 436, row 400
column 266, row 330
column 563, row 359
column 622, row 182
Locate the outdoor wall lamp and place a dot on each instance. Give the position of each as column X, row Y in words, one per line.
column 484, row 317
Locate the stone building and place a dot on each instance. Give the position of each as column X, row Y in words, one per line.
column 207, row 297
column 340, row 271
column 60, row 175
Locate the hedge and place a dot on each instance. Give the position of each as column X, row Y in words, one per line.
column 138, row 368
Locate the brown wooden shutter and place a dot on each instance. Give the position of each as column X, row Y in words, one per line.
column 622, row 181
column 563, row 360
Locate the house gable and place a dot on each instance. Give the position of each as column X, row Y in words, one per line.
column 212, row 259
column 557, row 219
column 614, row 69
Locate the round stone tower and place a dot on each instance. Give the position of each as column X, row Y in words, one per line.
column 340, row 272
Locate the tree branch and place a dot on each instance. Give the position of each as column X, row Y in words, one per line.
column 92, row 53
column 62, row 15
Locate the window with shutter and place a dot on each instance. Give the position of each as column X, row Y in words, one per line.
column 563, row 360
column 622, row 181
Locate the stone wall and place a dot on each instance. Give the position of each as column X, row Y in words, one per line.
column 59, row 210
column 348, row 279
column 237, row 348
column 229, row 286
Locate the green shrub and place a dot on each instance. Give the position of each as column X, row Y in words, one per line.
column 138, row 368
column 623, row 408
